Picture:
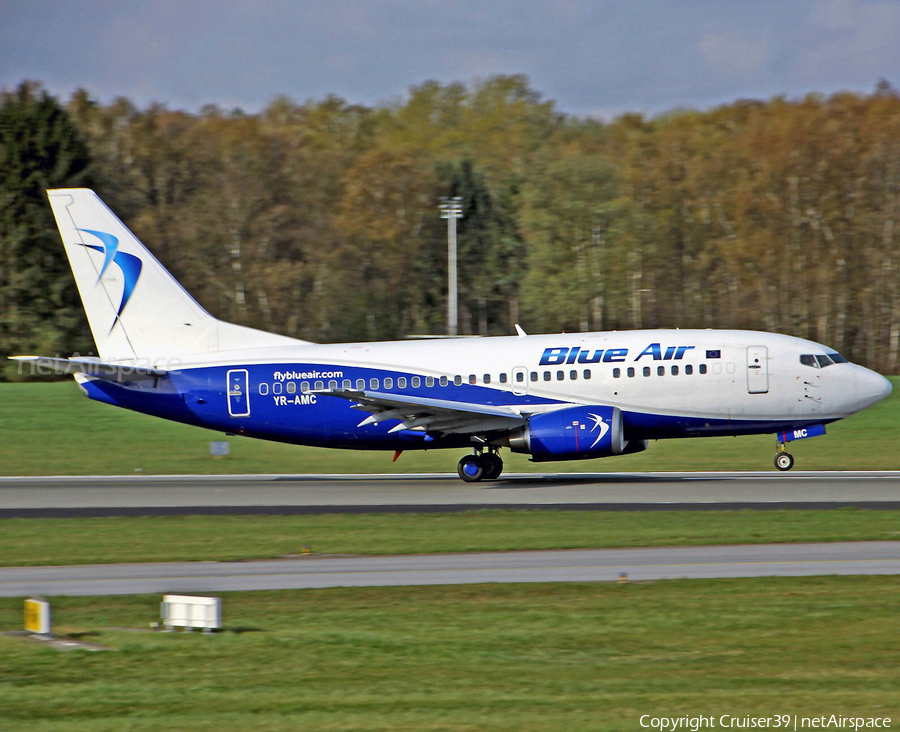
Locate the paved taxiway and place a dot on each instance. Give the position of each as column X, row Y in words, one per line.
column 593, row 565
column 298, row 494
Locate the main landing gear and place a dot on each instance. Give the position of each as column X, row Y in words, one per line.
column 480, row 466
column 783, row 459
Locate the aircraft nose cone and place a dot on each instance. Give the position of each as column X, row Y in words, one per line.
column 871, row 387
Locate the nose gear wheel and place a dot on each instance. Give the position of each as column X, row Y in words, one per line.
column 784, row 461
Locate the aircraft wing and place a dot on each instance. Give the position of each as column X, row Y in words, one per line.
column 90, row 367
column 429, row 415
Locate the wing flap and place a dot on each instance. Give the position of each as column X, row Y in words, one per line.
column 428, row 415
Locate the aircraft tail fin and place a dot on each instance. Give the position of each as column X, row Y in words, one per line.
column 136, row 309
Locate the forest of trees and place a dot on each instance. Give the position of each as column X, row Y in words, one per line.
column 320, row 220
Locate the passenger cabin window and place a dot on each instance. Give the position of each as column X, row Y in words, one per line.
column 688, row 369
column 587, row 373
column 646, row 371
column 630, row 372
column 472, row 379
column 401, row 382
column 263, row 389
column 503, row 378
column 291, row 387
column 547, row 376
column 373, row 383
column 457, row 380
column 573, row 374
column 617, row 373
column 520, row 377
column 416, row 382
column 429, row 381
column 674, row 371
column 444, row 381
column 346, row 384
column 332, row 384
column 487, row 378
column 702, row 368
column 534, row 375
column 319, row 386
column 560, row 375
column 277, row 387
column 304, row 387
column 388, row 382
column 660, row 370
column 361, row 384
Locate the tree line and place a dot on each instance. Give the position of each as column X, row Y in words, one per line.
column 320, row 220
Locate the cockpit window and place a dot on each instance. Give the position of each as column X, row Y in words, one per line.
column 820, row 361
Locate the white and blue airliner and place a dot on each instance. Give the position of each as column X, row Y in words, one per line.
column 554, row 397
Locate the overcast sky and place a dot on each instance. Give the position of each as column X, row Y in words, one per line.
column 592, row 57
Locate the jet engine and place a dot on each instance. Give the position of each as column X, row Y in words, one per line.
column 573, row 433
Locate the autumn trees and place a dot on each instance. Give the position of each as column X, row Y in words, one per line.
column 320, row 220
column 40, row 148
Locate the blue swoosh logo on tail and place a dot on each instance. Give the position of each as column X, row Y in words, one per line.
column 110, row 246
column 128, row 263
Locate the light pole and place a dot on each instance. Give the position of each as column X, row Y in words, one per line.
column 451, row 209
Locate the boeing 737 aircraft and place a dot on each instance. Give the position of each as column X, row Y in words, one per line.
column 554, row 397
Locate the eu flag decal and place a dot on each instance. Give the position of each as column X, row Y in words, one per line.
column 714, row 354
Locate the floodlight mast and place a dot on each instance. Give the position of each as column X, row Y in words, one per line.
column 451, row 209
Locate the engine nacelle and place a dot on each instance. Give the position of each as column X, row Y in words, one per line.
column 575, row 433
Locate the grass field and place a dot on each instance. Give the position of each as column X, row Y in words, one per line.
column 29, row 542
column 483, row 657
column 52, row 429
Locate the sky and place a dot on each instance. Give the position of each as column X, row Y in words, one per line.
column 597, row 58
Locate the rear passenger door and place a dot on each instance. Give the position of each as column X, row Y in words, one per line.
column 238, row 395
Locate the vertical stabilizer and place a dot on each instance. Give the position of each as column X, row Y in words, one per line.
column 135, row 308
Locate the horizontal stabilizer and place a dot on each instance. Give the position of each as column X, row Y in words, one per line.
column 89, row 367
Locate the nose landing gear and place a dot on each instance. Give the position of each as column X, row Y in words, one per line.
column 783, row 459
column 480, row 466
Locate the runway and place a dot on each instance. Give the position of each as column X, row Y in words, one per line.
column 310, row 494
column 596, row 565
column 26, row 497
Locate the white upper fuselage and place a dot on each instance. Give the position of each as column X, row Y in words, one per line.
column 657, row 372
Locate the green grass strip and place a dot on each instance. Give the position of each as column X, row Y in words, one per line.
column 197, row 538
column 566, row 657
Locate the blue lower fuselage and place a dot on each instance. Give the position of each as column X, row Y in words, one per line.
column 268, row 408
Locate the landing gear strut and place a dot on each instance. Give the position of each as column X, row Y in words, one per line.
column 480, row 466
column 783, row 459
